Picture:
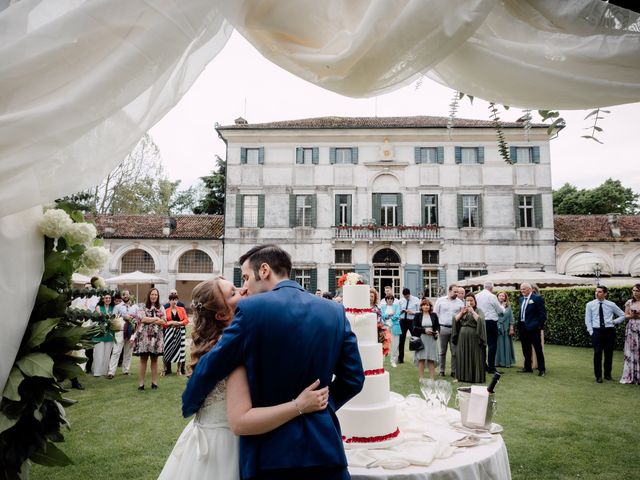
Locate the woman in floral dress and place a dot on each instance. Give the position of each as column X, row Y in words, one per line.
column 631, row 368
column 148, row 339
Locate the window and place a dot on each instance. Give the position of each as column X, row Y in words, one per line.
column 343, row 209
column 429, row 209
column 252, row 156
column 528, row 211
column 137, row 260
column 195, row 261
column 306, row 277
column 343, row 256
column 307, row 156
column 428, row 155
column 430, row 257
column 469, row 155
column 470, row 210
column 343, row 155
column 524, row 155
column 470, row 273
column 388, row 209
column 430, row 282
column 250, row 211
column 302, row 211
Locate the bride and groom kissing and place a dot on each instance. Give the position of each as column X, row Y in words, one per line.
column 284, row 364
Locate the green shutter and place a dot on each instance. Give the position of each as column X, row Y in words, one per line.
column 440, row 153
column 460, row 274
column 460, row 224
column 537, row 210
column 480, row 154
column 513, row 154
column 354, row 155
column 484, row 272
column 479, row 211
column 400, row 217
column 239, row 205
column 349, row 219
column 535, row 155
column 243, row 155
column 332, row 281
column 299, row 155
column 261, row 156
column 332, row 155
column 516, row 210
column 237, row 277
column 314, row 210
column 458, row 155
column 292, row 211
column 423, row 201
column 417, row 156
column 313, row 282
column 315, row 156
column 261, row 211
column 377, row 204
column 336, row 206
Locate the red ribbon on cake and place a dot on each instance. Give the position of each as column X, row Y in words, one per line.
column 379, row 438
column 377, row 371
column 358, row 310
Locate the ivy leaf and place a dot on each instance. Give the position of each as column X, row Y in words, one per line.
column 46, row 294
column 13, row 382
column 54, row 262
column 36, row 365
column 51, row 456
column 69, row 367
column 6, row 423
column 40, row 330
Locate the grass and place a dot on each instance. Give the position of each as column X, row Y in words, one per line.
column 562, row 426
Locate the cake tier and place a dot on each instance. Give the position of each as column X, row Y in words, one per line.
column 364, row 325
column 368, row 424
column 375, row 390
column 371, row 356
column 356, row 296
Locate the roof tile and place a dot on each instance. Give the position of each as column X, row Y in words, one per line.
column 596, row 228
column 150, row 226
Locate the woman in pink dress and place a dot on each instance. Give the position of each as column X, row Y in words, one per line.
column 631, row 368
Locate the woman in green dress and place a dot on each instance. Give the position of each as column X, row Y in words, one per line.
column 505, row 356
column 469, row 333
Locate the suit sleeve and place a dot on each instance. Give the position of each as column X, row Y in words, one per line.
column 214, row 366
column 349, row 375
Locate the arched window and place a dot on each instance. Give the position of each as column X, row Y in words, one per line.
column 386, row 256
column 195, row 261
column 137, row 260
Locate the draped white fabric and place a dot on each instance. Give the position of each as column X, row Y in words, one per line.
column 82, row 80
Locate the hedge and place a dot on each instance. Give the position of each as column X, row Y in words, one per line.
column 565, row 313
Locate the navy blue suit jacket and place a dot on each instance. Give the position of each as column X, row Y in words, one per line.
column 535, row 314
column 286, row 338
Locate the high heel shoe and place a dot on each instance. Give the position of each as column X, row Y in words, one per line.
column 140, row 387
column 154, row 386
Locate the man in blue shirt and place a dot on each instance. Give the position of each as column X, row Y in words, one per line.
column 409, row 306
column 601, row 316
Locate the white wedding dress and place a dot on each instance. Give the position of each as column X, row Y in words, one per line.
column 206, row 449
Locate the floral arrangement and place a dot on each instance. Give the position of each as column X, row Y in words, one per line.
column 350, row 278
column 32, row 408
column 384, row 337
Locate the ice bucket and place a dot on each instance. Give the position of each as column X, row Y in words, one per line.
column 462, row 400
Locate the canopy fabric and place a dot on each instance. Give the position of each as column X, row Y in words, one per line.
column 82, row 80
column 518, row 276
column 134, row 278
column 585, row 263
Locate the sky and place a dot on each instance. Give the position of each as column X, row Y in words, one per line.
column 240, row 82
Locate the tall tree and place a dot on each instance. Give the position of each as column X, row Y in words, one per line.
column 610, row 197
column 212, row 202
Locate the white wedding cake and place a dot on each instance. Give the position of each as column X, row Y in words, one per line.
column 368, row 419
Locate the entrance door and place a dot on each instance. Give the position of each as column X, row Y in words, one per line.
column 386, row 276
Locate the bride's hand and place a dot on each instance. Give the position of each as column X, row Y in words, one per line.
column 312, row 400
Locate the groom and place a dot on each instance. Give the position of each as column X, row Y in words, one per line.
column 286, row 338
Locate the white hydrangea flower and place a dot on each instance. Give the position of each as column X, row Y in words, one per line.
column 95, row 257
column 80, row 234
column 353, row 279
column 54, row 223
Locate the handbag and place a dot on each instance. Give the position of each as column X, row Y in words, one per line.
column 415, row 344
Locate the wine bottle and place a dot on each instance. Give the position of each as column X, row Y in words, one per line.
column 494, row 382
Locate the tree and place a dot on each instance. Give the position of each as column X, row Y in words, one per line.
column 610, row 197
column 212, row 201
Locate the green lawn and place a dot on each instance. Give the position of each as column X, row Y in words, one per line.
column 558, row 427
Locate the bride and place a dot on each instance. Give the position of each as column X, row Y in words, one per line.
column 208, row 446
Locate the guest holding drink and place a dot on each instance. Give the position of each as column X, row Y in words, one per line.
column 148, row 339
column 426, row 326
column 631, row 368
column 505, row 354
column 391, row 318
column 469, row 333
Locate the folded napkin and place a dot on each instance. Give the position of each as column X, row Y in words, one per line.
column 477, row 409
column 400, row 456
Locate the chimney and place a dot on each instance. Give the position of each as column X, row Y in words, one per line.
column 241, row 121
column 613, row 224
column 108, row 227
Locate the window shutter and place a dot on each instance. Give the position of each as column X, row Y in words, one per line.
column 332, row 281
column 315, row 156
column 442, row 279
column 336, row 206
column 332, row 155
column 399, row 220
column 349, row 220
column 513, row 154
column 292, row 210
column 440, row 152
column 243, row 155
column 480, row 224
column 458, row 155
column 460, row 224
column 535, row 155
column 376, row 208
column 423, row 201
column 299, row 155
column 516, row 209
column 460, row 274
column 237, row 277
column 480, row 154
column 537, row 210
column 261, row 156
column 313, row 281
column 261, row 211
column 416, row 152
column 354, row 155
column 239, row 205
column 314, row 210
column 437, row 219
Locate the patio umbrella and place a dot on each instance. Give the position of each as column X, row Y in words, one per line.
column 79, row 278
column 517, row 276
column 135, row 278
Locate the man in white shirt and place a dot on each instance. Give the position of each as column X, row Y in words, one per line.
column 601, row 317
column 409, row 306
column 388, row 290
column 490, row 306
column 446, row 308
column 127, row 310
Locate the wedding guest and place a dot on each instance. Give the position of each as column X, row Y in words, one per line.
column 469, row 333
column 446, row 307
column 122, row 344
column 318, row 293
column 533, row 315
column 173, row 291
column 505, row 354
column 388, row 290
column 103, row 343
column 337, row 299
column 631, row 368
column 148, row 338
column 490, row 306
column 373, row 302
column 327, row 295
column 175, row 336
column 426, row 326
column 409, row 306
column 461, row 293
column 534, row 358
column 391, row 318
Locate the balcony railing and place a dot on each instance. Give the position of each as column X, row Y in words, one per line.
column 387, row 233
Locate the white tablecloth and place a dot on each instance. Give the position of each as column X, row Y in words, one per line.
column 488, row 460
